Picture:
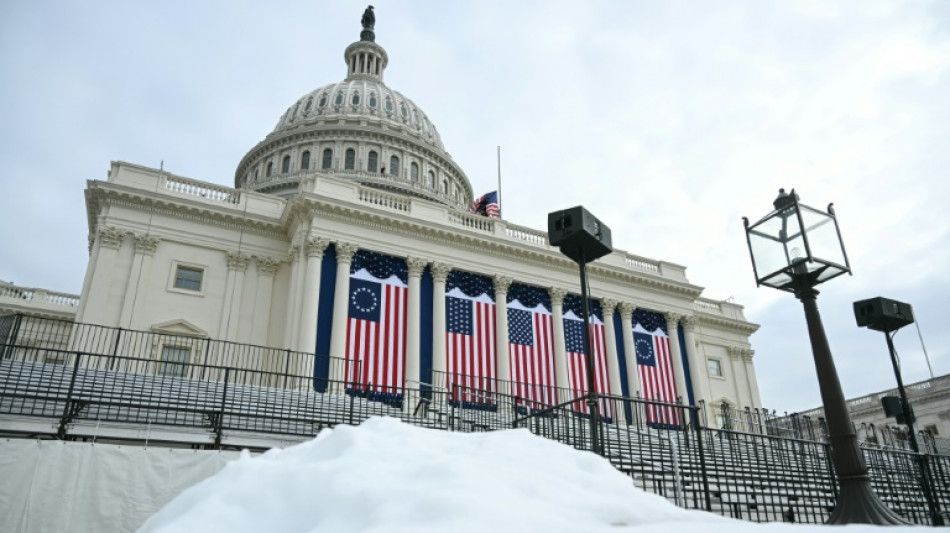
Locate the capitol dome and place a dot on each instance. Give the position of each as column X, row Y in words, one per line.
column 359, row 129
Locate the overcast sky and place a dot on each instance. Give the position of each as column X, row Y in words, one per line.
column 668, row 120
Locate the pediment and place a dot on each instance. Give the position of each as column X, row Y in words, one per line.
column 179, row 327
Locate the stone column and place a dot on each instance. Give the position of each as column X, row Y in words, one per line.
column 626, row 329
column 697, row 365
column 413, row 322
column 679, row 376
column 341, row 305
column 293, row 297
column 747, row 355
column 266, row 268
column 233, row 296
column 613, row 360
column 503, row 365
column 145, row 246
column 307, row 329
column 440, row 273
column 99, row 279
column 560, row 352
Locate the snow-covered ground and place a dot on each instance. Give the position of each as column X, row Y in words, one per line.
column 386, row 476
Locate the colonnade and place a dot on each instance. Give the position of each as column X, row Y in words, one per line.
column 306, row 335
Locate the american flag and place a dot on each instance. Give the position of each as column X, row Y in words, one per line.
column 577, row 360
column 486, row 205
column 655, row 368
column 470, row 336
column 531, row 352
column 376, row 328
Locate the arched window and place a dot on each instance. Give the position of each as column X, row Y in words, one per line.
column 414, row 172
column 356, row 99
column 285, row 165
column 403, row 110
column 323, row 100
column 255, row 174
column 339, row 99
column 349, row 163
column 372, row 100
column 309, row 105
column 327, row 159
column 394, row 165
column 270, row 169
column 372, row 161
column 305, row 160
column 389, row 104
column 430, row 179
column 445, row 186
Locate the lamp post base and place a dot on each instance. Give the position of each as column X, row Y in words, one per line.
column 857, row 504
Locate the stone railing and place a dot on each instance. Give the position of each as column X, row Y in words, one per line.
column 379, row 198
column 200, row 189
column 641, row 264
column 41, row 296
column 873, row 401
column 522, row 233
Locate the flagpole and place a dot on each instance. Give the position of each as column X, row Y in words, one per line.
column 499, row 182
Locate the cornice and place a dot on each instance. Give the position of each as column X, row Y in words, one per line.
column 746, row 328
column 100, row 194
column 484, row 244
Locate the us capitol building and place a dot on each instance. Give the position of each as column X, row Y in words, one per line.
column 351, row 215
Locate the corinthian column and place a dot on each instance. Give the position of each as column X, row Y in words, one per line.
column 341, row 301
column 626, row 329
column 440, row 273
column 413, row 321
column 307, row 330
column 679, row 376
column 233, row 296
column 502, row 283
column 698, row 365
column 613, row 361
column 145, row 246
column 560, row 353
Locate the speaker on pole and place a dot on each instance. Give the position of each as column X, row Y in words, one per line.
column 579, row 234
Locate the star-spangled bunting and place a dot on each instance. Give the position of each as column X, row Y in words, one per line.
column 655, row 367
column 577, row 358
column 376, row 325
column 470, row 337
column 531, row 346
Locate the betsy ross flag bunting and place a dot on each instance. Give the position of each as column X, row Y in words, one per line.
column 655, row 368
column 531, row 353
column 577, row 359
column 376, row 327
column 470, row 337
column 486, row 205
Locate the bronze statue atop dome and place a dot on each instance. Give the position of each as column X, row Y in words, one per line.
column 369, row 22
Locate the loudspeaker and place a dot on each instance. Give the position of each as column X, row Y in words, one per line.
column 579, row 234
column 882, row 314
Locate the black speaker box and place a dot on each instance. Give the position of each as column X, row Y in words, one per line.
column 883, row 314
column 579, row 234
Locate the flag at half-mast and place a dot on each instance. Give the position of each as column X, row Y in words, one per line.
column 486, row 205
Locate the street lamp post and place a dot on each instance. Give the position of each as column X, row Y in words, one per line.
column 795, row 248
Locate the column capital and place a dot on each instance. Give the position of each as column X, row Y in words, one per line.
column 111, row 237
column 609, row 305
column 557, row 296
column 672, row 320
column 416, row 266
column 146, row 244
column 689, row 322
column 626, row 310
column 345, row 252
column 737, row 352
column 502, row 283
column 315, row 246
column 440, row 272
column 238, row 261
column 267, row 265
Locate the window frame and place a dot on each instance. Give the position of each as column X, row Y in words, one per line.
column 718, row 363
column 349, row 159
column 164, row 364
column 173, row 278
column 327, row 161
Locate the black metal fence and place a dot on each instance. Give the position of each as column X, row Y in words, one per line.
column 80, row 381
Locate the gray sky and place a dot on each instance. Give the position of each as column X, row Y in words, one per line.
column 668, row 120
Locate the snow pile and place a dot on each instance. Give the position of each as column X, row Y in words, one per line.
column 386, row 476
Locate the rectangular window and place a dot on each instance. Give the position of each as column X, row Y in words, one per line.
column 932, row 429
column 715, row 367
column 174, row 361
column 188, row 278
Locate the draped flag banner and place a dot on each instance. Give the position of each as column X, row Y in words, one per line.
column 531, row 346
column 655, row 367
column 576, row 358
column 470, row 336
column 376, row 328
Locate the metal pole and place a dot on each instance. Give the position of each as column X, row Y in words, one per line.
column 935, row 515
column 591, row 390
column 856, row 502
